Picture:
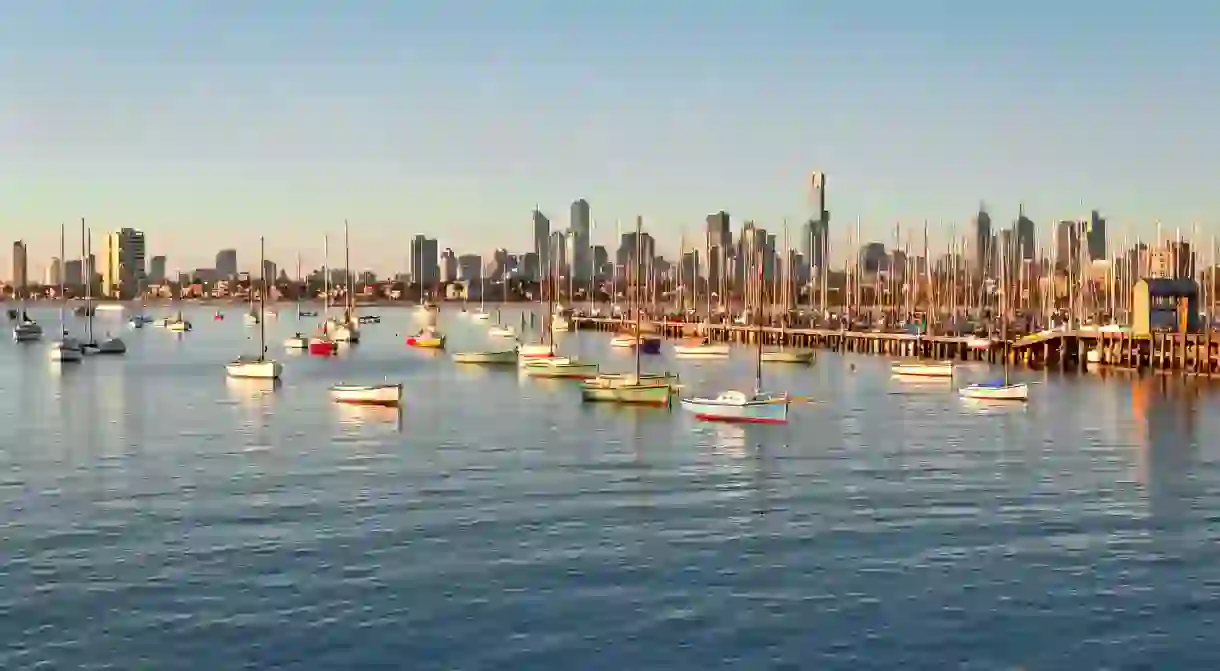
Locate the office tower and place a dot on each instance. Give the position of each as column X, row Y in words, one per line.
column 226, row 263
column 269, row 269
column 1067, row 244
column 156, row 270
column 73, row 275
column 424, row 268
column 54, row 272
column 1025, row 250
column 718, row 248
column 449, row 268
column 542, row 241
column 21, row 268
column 979, row 245
column 122, row 263
column 1095, row 236
column 468, row 268
column 579, row 244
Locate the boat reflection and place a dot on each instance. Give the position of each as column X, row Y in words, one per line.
column 251, row 391
column 983, row 406
column 351, row 415
column 728, row 440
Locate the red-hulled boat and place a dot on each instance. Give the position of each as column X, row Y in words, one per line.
column 322, row 346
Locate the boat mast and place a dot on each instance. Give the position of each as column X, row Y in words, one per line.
column 63, row 329
column 87, row 241
column 262, row 301
column 325, row 277
column 1004, row 310
column 758, row 330
column 639, row 225
column 300, row 285
column 481, row 310
column 347, row 274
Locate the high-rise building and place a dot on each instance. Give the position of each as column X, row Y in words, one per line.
column 1025, row 227
column 557, row 263
column 719, row 246
column 72, row 273
column 226, row 263
column 21, row 268
column 579, row 243
column 542, row 241
column 979, row 245
column 55, row 272
column 815, row 242
column 424, row 268
column 1067, row 244
column 156, row 270
column 269, row 269
column 469, row 267
column 449, row 268
column 122, row 263
column 1095, row 236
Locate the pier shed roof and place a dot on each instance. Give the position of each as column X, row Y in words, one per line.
column 1160, row 286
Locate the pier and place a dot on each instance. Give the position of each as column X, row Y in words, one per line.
column 1191, row 354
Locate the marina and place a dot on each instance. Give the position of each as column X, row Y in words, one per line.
column 484, row 483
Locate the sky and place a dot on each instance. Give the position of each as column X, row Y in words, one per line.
column 208, row 124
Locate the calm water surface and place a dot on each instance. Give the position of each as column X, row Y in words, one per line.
column 159, row 516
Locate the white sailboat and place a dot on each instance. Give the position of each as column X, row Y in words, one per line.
column 758, row 407
column 26, row 330
column 347, row 329
column 1002, row 389
column 550, row 365
column 66, row 349
column 388, row 394
column 259, row 367
column 90, row 345
column 481, row 315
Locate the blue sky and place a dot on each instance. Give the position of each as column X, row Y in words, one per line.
column 207, row 124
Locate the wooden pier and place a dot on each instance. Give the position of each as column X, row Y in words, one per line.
column 1192, row 354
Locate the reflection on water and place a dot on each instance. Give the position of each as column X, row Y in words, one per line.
column 983, row 406
column 251, row 391
column 358, row 415
column 1165, row 412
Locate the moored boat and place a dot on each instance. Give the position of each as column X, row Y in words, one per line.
column 649, row 344
column 793, row 356
column 322, row 345
column 367, row 394
column 736, row 406
column 502, row 331
column 560, row 367
column 66, row 350
column 427, row 339
column 923, row 369
column 27, row 331
column 254, row 367
column 297, row 341
column 996, row 391
column 536, row 350
column 178, row 325
column 643, row 393
column 111, row 345
column 503, row 357
column 700, row 348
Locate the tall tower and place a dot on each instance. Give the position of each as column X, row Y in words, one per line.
column 542, row 242
column 579, row 224
column 122, row 263
column 21, row 268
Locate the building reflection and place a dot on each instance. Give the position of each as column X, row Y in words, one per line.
column 353, row 415
column 1165, row 413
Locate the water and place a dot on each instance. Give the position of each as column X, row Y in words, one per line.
column 159, row 516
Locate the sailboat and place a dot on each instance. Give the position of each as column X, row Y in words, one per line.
column 259, row 367
column 1002, row 389
column 758, row 407
column 322, row 344
column 66, row 349
column 787, row 355
column 387, row 394
column 111, row 344
column 481, row 315
column 346, row 330
column 550, row 365
column 26, row 330
column 634, row 389
column 297, row 340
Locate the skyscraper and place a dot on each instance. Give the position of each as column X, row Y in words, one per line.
column 156, row 270
column 579, row 224
column 449, row 265
column 55, row 272
column 542, row 241
column 1025, row 238
column 122, row 263
column 1095, row 236
column 979, row 245
column 226, row 264
column 424, row 268
column 719, row 242
column 21, row 268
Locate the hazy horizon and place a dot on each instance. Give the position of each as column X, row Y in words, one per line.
column 208, row 124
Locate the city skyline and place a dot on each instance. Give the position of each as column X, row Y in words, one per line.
column 206, row 126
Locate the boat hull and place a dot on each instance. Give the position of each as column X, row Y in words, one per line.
column 426, row 342
column 563, row 369
column 631, row 394
column 260, row 370
column 508, row 357
column 66, row 352
column 772, row 411
column 536, row 351
column 1008, row 392
column 27, row 333
column 296, row 342
column 800, row 357
column 178, row 327
column 944, row 369
column 501, row 332
column 701, row 351
column 647, row 344
column 320, row 347
column 112, row 346
column 386, row 395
